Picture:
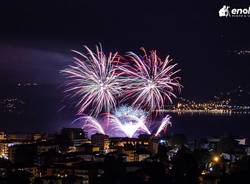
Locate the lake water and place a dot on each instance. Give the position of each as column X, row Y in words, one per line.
column 202, row 125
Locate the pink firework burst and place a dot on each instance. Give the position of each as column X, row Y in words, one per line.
column 151, row 82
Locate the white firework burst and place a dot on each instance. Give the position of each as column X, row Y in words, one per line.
column 94, row 80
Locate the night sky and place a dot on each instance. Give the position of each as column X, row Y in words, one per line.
column 36, row 38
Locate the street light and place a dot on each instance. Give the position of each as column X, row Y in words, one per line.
column 216, row 159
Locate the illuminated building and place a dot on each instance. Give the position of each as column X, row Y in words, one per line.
column 122, row 141
column 141, row 155
column 130, row 155
column 36, row 136
column 154, row 145
column 2, row 136
column 4, row 149
column 46, row 146
column 73, row 133
column 100, row 140
column 18, row 137
column 73, row 136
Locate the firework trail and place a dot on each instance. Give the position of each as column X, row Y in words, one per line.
column 165, row 122
column 125, row 126
column 125, row 122
column 90, row 124
column 93, row 80
column 150, row 82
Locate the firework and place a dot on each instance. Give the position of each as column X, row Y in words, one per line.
column 165, row 122
column 94, row 81
column 150, row 82
column 98, row 81
column 90, row 124
column 125, row 122
column 128, row 121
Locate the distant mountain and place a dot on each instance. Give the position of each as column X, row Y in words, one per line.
column 237, row 96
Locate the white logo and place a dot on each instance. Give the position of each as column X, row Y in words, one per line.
column 224, row 11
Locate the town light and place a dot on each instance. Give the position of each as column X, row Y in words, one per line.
column 216, row 158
